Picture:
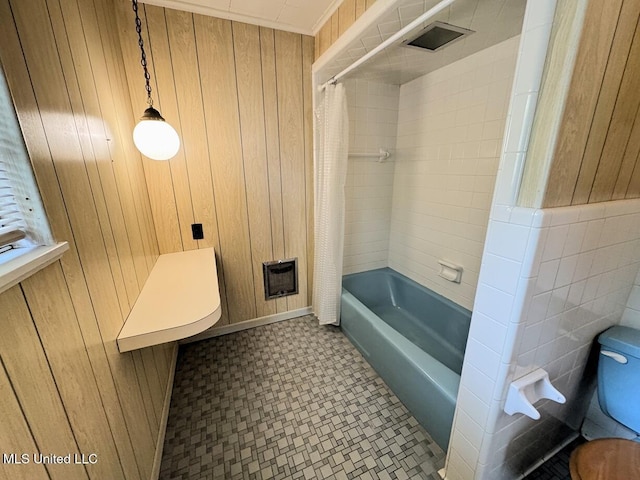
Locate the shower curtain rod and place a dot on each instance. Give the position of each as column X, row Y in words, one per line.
column 400, row 33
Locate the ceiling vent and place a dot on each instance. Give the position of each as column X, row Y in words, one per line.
column 436, row 36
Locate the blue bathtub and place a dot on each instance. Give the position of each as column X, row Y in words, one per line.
column 413, row 337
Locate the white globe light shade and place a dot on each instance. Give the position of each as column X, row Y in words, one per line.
column 156, row 139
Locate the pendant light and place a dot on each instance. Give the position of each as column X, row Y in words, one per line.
column 153, row 136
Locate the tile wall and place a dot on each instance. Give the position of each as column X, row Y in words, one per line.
column 450, row 129
column 597, row 424
column 373, row 119
column 565, row 275
column 631, row 315
column 525, row 257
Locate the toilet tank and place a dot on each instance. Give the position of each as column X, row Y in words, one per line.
column 619, row 375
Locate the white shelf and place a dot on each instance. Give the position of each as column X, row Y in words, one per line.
column 179, row 299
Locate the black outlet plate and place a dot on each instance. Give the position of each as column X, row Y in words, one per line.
column 196, row 230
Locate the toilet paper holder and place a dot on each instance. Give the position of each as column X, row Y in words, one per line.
column 527, row 390
column 450, row 271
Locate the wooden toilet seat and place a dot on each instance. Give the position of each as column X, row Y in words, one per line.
column 606, row 459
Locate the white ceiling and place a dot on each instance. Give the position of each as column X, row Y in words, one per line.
column 493, row 21
column 299, row 16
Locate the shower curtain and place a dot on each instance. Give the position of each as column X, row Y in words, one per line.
column 330, row 172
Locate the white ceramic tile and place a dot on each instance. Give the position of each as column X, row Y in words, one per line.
column 501, row 273
column 574, row 239
column 500, row 213
column 533, row 45
column 522, row 111
column 488, row 332
column 593, row 211
column 522, row 216
column 541, row 218
column 467, row 451
column 564, row 215
column 541, row 13
column 592, row 235
column 508, row 179
column 472, row 406
column 484, row 359
column 555, row 241
column 447, row 179
column 547, row 276
column 533, row 255
column 494, row 303
column 472, row 431
column 634, row 298
column 566, row 270
column 558, row 301
column 479, row 383
column 508, row 240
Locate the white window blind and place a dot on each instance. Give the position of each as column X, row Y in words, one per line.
column 22, row 219
column 12, row 226
column 26, row 243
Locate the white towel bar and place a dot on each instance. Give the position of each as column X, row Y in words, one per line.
column 382, row 155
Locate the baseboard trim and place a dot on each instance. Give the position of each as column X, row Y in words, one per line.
column 247, row 324
column 157, row 459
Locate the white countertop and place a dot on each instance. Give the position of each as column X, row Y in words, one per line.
column 179, row 299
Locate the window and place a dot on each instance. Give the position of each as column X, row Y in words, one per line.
column 26, row 243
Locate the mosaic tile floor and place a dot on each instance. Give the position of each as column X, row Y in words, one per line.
column 291, row 400
column 557, row 467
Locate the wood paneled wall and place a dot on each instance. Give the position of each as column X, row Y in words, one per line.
column 239, row 96
column 64, row 387
column 596, row 157
column 348, row 12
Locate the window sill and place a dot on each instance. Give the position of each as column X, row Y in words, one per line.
column 27, row 262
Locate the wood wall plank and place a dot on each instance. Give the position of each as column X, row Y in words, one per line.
column 75, row 111
column 15, row 434
column 246, row 40
column 620, row 125
column 138, row 364
column 591, row 62
column 323, row 39
column 346, row 15
column 292, row 155
column 307, row 61
column 54, row 319
column 34, row 385
column 191, row 109
column 272, row 135
column 67, row 156
column 609, row 92
column 220, row 98
column 348, row 12
column 335, row 26
column 155, row 386
column 622, row 188
column 76, row 66
column 179, row 171
column 35, row 138
column 633, row 190
column 109, row 78
column 220, row 81
column 158, row 174
column 597, row 150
